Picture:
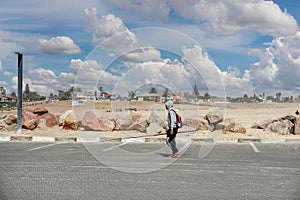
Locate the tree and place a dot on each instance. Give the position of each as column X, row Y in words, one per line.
column 206, row 96
column 131, row 95
column 31, row 96
column 13, row 94
column 153, row 90
column 196, row 91
column 27, row 90
column 166, row 92
column 278, row 95
column 102, row 92
column 2, row 91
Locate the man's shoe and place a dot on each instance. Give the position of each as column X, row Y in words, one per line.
column 177, row 155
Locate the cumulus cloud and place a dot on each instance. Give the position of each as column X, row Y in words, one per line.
column 232, row 16
column 141, row 55
column 7, row 47
column 146, row 8
column 88, row 74
column 112, row 34
column 222, row 17
column 6, row 73
column 57, row 45
column 103, row 28
column 45, row 81
column 3, row 83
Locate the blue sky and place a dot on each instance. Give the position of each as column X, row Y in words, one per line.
column 225, row 47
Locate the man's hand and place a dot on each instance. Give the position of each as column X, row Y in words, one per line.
column 171, row 132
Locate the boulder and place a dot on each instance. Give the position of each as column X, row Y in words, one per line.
column 297, row 126
column 232, row 127
column 156, row 124
column 3, row 125
column 50, row 119
column 140, row 125
column 281, row 127
column 69, row 120
column 106, row 124
column 214, row 117
column 42, row 123
column 90, row 122
column 29, row 120
column 62, row 118
column 39, row 110
column 135, row 116
column 123, row 123
column 263, row 124
column 197, row 123
column 10, row 119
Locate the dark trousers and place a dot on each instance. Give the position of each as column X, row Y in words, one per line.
column 171, row 140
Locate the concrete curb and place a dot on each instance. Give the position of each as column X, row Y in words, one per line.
column 26, row 138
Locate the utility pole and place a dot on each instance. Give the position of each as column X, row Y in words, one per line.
column 20, row 88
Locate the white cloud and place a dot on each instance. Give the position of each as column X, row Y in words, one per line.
column 57, row 45
column 112, row 34
column 105, row 27
column 220, row 16
column 6, row 47
column 146, row 8
column 3, row 83
column 87, row 74
column 232, row 16
column 141, row 55
column 278, row 68
column 45, row 81
column 6, row 73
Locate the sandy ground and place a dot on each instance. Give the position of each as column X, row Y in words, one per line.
column 244, row 114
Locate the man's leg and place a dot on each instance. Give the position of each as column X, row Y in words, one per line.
column 171, row 141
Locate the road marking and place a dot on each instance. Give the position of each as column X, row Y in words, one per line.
column 116, row 146
column 48, row 145
column 254, row 147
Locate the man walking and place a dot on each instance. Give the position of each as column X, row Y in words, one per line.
column 172, row 129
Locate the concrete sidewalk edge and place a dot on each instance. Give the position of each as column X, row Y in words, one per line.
column 25, row 138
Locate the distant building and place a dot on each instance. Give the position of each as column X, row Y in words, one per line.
column 85, row 96
column 150, row 97
column 5, row 99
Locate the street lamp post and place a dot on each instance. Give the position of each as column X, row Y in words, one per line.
column 20, row 88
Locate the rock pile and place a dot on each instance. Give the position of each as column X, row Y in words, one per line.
column 40, row 117
column 284, row 125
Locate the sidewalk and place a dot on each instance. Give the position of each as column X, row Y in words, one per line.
column 60, row 135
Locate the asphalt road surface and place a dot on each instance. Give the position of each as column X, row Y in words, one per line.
column 75, row 171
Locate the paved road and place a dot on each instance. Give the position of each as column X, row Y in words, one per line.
column 70, row 171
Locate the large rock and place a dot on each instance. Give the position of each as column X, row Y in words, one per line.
column 214, row 117
column 50, row 119
column 135, row 116
column 90, row 121
column 230, row 126
column 197, row 123
column 69, row 120
column 156, row 124
column 29, row 120
column 297, row 126
column 10, row 119
column 282, row 127
column 127, row 123
column 263, row 124
column 40, row 110
column 140, row 125
column 3, row 125
column 122, row 124
column 106, row 124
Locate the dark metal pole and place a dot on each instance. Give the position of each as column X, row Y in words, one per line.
column 20, row 88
